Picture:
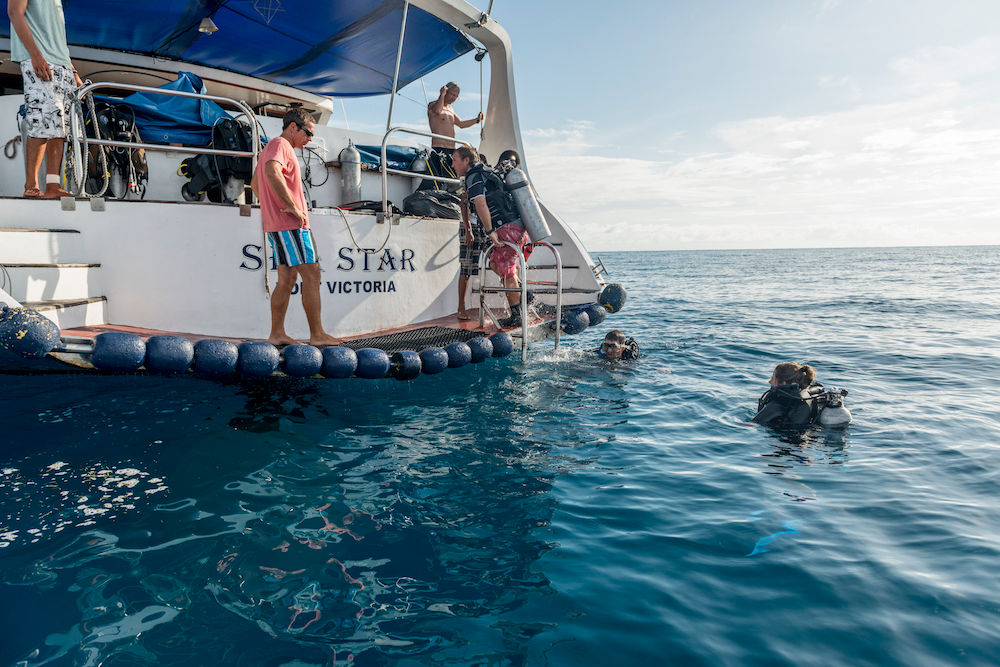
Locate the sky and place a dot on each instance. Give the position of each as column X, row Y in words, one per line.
column 672, row 124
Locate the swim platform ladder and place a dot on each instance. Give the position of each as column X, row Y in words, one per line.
column 552, row 288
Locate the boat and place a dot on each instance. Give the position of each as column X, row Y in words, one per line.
column 119, row 267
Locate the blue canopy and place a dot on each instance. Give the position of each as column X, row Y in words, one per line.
column 333, row 48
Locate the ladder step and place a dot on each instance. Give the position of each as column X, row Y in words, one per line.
column 72, row 313
column 52, row 266
column 58, row 304
column 39, row 229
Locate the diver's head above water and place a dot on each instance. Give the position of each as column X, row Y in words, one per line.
column 789, row 372
column 613, row 345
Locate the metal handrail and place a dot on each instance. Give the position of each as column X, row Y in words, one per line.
column 87, row 89
column 385, row 171
column 559, row 282
column 184, row 149
column 522, row 270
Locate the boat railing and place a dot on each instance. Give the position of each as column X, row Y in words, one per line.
column 78, row 134
column 386, row 170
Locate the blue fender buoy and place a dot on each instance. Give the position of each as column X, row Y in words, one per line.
column 459, row 354
column 433, row 360
column 405, row 364
column 575, row 321
column 612, row 297
column 118, row 352
column 257, row 359
column 26, row 332
column 168, row 354
column 596, row 313
column 481, row 348
column 373, row 363
column 215, row 358
column 301, row 361
column 338, row 362
column 503, row 344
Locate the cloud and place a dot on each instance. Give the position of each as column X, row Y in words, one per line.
column 946, row 64
column 922, row 169
column 848, row 83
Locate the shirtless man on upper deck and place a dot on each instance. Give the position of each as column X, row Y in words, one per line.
column 443, row 119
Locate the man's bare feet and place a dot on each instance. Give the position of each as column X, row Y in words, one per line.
column 324, row 340
column 464, row 315
column 53, row 191
column 282, row 340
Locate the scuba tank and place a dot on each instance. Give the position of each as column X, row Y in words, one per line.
column 420, row 163
column 834, row 413
column 350, row 174
column 532, row 219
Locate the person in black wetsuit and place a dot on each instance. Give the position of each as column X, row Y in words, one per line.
column 793, row 399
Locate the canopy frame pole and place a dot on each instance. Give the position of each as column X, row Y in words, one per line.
column 395, row 74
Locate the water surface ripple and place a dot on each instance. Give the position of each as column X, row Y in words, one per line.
column 564, row 512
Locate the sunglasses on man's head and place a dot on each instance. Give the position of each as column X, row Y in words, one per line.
column 308, row 132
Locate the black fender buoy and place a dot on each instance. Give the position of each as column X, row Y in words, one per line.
column 405, row 364
column 596, row 313
column 118, row 352
column 26, row 332
column 612, row 297
column 373, row 363
column 338, row 362
column 258, row 359
column 503, row 344
column 168, row 354
column 481, row 348
column 575, row 321
column 301, row 361
column 215, row 358
column 433, row 360
column 459, row 354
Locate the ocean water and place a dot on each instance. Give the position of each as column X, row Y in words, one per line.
column 563, row 512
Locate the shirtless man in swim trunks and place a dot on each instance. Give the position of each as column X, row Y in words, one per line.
column 443, row 119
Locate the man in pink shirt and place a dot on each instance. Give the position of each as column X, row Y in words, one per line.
column 278, row 185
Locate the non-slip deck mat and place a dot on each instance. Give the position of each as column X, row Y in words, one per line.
column 415, row 339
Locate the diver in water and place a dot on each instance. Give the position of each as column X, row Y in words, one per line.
column 796, row 399
column 618, row 348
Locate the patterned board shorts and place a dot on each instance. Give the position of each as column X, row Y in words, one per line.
column 503, row 261
column 292, row 247
column 469, row 257
column 47, row 104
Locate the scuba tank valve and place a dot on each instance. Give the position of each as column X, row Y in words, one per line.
column 834, row 413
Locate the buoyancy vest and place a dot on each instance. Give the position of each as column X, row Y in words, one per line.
column 788, row 405
column 499, row 201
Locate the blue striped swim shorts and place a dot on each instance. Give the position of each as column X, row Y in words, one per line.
column 292, row 247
